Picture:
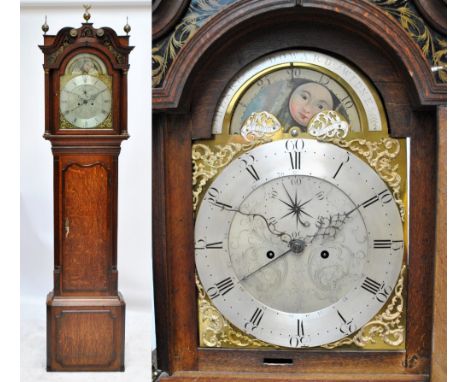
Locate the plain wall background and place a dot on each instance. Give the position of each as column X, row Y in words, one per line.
column 36, row 161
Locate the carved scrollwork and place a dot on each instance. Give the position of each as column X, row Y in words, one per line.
column 67, row 40
column 432, row 43
column 164, row 51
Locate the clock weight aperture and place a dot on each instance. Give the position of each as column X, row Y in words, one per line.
column 85, row 121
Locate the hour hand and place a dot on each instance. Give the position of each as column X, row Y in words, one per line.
column 328, row 227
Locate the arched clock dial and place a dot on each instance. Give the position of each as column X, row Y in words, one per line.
column 298, row 243
column 85, row 93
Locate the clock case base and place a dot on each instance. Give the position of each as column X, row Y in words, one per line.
column 85, row 333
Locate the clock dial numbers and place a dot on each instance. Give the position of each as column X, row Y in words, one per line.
column 248, row 162
column 298, row 339
column 213, row 198
column 384, row 197
column 221, row 288
column 379, row 290
column 294, row 147
column 255, row 320
column 85, row 101
column 289, row 246
column 202, row 244
column 346, row 326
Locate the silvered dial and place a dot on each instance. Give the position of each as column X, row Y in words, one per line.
column 298, row 243
column 85, row 101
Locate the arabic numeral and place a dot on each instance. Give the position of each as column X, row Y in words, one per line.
column 248, row 161
column 298, row 339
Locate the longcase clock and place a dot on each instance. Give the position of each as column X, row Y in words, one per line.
column 85, row 121
column 295, row 161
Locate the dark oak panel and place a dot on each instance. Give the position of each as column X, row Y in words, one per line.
column 85, row 334
column 87, row 240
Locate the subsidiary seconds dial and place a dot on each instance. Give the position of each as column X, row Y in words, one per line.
column 298, row 243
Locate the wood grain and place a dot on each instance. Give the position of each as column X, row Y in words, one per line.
column 362, row 17
column 85, row 312
column 85, row 334
column 166, row 13
column 183, row 110
column 439, row 351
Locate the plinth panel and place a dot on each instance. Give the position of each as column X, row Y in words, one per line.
column 85, row 334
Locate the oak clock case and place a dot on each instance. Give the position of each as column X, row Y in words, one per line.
column 299, row 242
column 223, row 106
column 85, row 120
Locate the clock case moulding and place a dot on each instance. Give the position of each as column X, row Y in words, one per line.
column 360, row 33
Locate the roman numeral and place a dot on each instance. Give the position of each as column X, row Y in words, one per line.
column 371, row 286
column 341, row 316
column 348, row 326
column 213, row 194
column 382, row 244
column 251, row 170
column 298, row 339
column 217, row 245
column 370, row 201
column 202, row 244
column 295, row 158
column 337, row 171
column 300, row 328
column 225, row 285
column 341, row 165
column 221, row 204
column 221, row 288
column 256, row 318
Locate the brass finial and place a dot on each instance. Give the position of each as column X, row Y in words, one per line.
column 45, row 26
column 127, row 27
column 86, row 15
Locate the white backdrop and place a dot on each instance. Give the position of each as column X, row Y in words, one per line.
column 36, row 198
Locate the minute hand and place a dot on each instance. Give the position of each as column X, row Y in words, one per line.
column 265, row 265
